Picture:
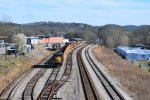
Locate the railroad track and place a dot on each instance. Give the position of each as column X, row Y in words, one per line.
column 88, row 87
column 49, row 91
column 48, row 86
column 28, row 92
column 108, row 86
column 10, row 89
column 5, row 95
column 65, row 77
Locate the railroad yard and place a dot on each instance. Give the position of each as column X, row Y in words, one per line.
column 79, row 77
column 74, row 50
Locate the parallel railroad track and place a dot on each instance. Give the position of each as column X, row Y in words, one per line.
column 49, row 91
column 28, row 92
column 5, row 95
column 47, row 88
column 109, row 87
column 10, row 89
column 65, row 77
column 88, row 87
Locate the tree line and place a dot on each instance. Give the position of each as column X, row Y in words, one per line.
column 112, row 35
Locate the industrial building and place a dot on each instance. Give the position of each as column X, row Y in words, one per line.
column 32, row 40
column 133, row 53
column 45, row 40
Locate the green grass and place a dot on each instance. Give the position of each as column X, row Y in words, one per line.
column 145, row 62
column 7, row 64
column 145, row 65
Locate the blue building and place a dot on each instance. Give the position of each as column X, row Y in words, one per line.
column 135, row 53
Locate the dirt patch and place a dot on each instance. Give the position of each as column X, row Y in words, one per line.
column 130, row 76
column 11, row 67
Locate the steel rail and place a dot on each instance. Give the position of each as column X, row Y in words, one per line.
column 65, row 77
column 109, row 87
column 5, row 95
column 28, row 92
column 48, row 85
column 87, row 83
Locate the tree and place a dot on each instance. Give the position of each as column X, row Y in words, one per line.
column 5, row 27
column 20, row 40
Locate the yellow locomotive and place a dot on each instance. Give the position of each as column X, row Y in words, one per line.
column 58, row 57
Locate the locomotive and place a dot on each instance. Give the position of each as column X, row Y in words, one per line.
column 58, row 57
column 55, row 46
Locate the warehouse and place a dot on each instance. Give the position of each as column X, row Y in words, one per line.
column 133, row 53
column 32, row 40
column 43, row 40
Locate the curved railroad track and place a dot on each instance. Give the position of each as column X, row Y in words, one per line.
column 108, row 86
column 10, row 89
column 49, row 91
column 48, row 86
column 5, row 95
column 28, row 92
column 64, row 78
column 53, row 84
column 88, row 87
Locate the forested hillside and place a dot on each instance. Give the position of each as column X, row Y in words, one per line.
column 113, row 35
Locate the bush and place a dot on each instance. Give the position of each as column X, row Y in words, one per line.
column 139, row 65
column 149, row 64
column 149, row 70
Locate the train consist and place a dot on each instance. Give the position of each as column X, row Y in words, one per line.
column 60, row 53
column 58, row 56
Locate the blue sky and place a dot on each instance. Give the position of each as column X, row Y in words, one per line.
column 94, row 12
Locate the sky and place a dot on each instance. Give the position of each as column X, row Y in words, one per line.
column 93, row 12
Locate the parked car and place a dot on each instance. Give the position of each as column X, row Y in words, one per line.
column 11, row 50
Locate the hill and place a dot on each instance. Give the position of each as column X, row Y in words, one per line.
column 113, row 35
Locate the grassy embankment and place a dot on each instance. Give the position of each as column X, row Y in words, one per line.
column 130, row 76
column 11, row 67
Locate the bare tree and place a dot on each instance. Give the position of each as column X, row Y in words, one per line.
column 5, row 27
